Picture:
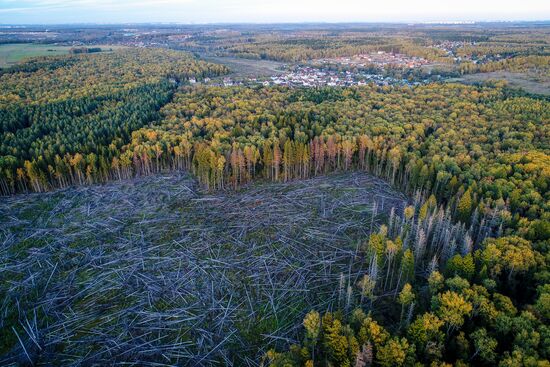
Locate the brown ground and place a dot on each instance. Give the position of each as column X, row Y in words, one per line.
column 529, row 83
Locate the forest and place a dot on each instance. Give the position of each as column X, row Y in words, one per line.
column 63, row 119
column 454, row 273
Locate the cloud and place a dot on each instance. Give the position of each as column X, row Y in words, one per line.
column 41, row 5
column 204, row 11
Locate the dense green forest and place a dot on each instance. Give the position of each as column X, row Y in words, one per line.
column 459, row 277
column 73, row 113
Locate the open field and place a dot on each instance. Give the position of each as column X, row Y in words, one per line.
column 11, row 54
column 248, row 68
column 154, row 270
column 540, row 85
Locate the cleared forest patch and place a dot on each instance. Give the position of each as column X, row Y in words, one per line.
column 529, row 83
column 154, row 270
column 247, row 68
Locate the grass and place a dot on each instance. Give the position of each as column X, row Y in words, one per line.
column 248, row 68
column 11, row 54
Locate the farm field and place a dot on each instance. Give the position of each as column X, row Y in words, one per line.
column 11, row 54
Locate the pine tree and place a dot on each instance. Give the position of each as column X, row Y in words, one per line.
column 465, row 207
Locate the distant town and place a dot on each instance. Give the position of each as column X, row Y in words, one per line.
column 378, row 59
column 308, row 76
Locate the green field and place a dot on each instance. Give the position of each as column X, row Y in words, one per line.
column 11, row 54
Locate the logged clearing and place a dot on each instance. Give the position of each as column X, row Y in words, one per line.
column 248, row 68
column 154, row 270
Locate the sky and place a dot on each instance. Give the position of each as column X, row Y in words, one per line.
column 267, row 11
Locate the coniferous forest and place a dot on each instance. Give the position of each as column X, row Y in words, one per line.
column 160, row 207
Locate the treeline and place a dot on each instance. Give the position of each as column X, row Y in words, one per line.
column 539, row 65
column 75, row 141
column 451, row 141
column 65, row 123
column 318, row 46
column 503, row 49
column 508, row 43
column 84, row 50
column 442, row 139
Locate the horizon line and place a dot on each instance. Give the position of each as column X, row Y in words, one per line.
column 444, row 22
